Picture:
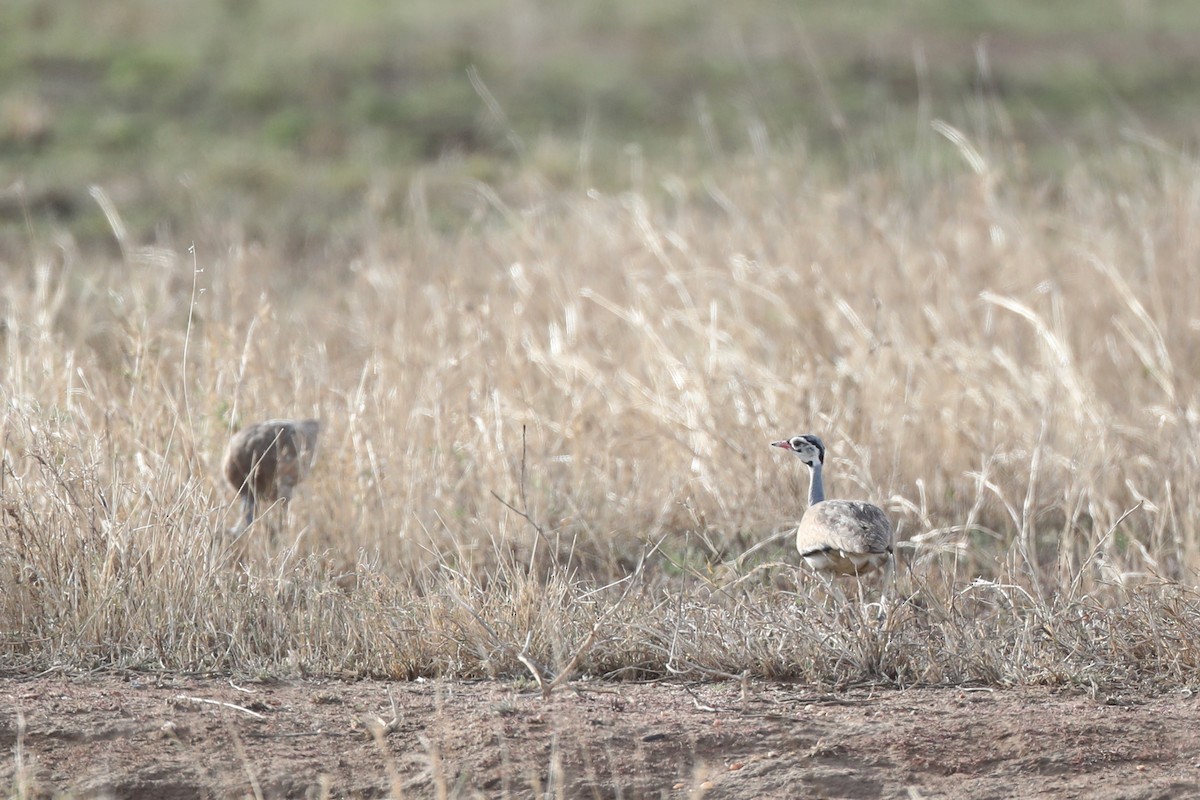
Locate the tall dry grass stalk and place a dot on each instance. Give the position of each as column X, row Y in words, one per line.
column 544, row 447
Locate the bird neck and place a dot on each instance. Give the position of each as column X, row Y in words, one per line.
column 816, row 487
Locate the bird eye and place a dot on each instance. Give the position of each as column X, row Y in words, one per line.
column 797, row 443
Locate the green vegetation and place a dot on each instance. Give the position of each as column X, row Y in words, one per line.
column 325, row 106
column 553, row 277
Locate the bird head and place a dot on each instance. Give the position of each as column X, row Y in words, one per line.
column 809, row 448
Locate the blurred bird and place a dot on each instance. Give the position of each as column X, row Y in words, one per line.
column 265, row 461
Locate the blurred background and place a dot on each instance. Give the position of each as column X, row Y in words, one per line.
column 293, row 119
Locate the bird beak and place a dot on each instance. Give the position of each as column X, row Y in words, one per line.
column 785, row 444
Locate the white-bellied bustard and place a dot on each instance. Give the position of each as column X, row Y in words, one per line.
column 265, row 461
column 838, row 537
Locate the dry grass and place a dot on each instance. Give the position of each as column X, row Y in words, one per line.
column 545, row 436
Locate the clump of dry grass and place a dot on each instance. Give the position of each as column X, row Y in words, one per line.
column 547, row 433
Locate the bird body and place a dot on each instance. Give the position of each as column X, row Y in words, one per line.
column 265, row 461
column 844, row 537
column 838, row 537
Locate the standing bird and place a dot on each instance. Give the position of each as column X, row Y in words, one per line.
column 838, row 537
column 265, row 461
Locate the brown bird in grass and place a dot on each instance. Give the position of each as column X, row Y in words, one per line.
column 265, row 461
column 838, row 537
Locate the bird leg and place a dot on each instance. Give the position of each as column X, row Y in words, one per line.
column 833, row 593
column 887, row 585
column 281, row 524
column 248, row 504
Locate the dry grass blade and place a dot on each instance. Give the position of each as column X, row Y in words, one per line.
column 206, row 701
column 548, row 434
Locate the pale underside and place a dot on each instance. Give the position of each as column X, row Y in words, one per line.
column 845, row 537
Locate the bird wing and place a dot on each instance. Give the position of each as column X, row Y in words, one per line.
column 847, row 525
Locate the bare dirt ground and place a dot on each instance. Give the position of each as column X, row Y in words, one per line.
column 138, row 737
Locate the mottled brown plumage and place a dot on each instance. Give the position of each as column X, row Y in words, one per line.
column 265, row 461
column 838, row 537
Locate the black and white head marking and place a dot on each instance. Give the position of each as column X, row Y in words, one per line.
column 809, row 448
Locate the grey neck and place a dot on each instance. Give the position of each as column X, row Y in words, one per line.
column 816, row 489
